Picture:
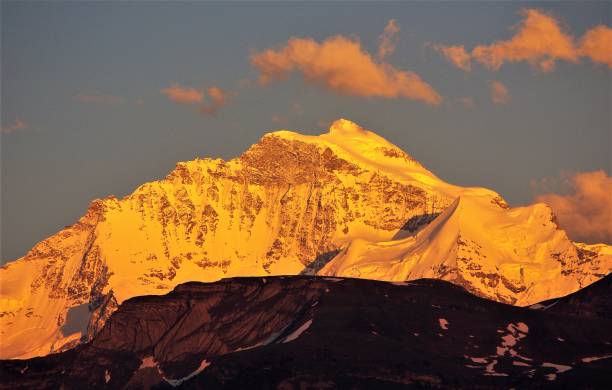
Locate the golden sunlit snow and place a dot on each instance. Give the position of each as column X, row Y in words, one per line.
column 345, row 203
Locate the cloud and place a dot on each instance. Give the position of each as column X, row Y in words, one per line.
column 387, row 40
column 499, row 93
column 586, row 212
column 540, row 40
column 455, row 54
column 218, row 99
column 183, row 95
column 597, row 45
column 17, row 125
column 97, row 98
column 340, row 64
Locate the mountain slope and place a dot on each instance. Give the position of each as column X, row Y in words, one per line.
column 517, row 256
column 288, row 205
column 306, row 332
column 594, row 301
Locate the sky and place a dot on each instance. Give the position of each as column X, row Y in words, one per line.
column 100, row 97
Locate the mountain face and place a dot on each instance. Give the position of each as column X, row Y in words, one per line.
column 345, row 203
column 516, row 256
column 320, row 332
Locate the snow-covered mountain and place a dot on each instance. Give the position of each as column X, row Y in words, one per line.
column 345, row 203
column 517, row 256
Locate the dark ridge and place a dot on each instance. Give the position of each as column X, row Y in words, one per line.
column 309, row 332
column 593, row 301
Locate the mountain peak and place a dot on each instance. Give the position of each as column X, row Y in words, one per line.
column 347, row 201
column 345, row 127
column 353, row 143
column 341, row 131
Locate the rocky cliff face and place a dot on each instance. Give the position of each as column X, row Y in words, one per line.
column 290, row 204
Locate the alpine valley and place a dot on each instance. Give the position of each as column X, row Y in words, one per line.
column 346, row 203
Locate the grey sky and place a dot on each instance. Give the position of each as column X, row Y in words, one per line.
column 70, row 152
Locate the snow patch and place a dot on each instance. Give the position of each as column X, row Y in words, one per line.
column 521, row 364
column 148, row 361
column 443, row 323
column 177, row 382
column 521, row 327
column 296, row 333
column 107, row 376
column 401, row 283
column 515, row 333
column 247, row 348
column 275, row 335
column 490, row 369
column 595, row 358
column 478, row 360
column 559, row 367
column 539, row 306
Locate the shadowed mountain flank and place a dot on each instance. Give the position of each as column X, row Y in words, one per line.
column 322, row 332
column 593, row 301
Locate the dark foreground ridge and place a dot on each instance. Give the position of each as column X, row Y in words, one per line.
column 324, row 333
